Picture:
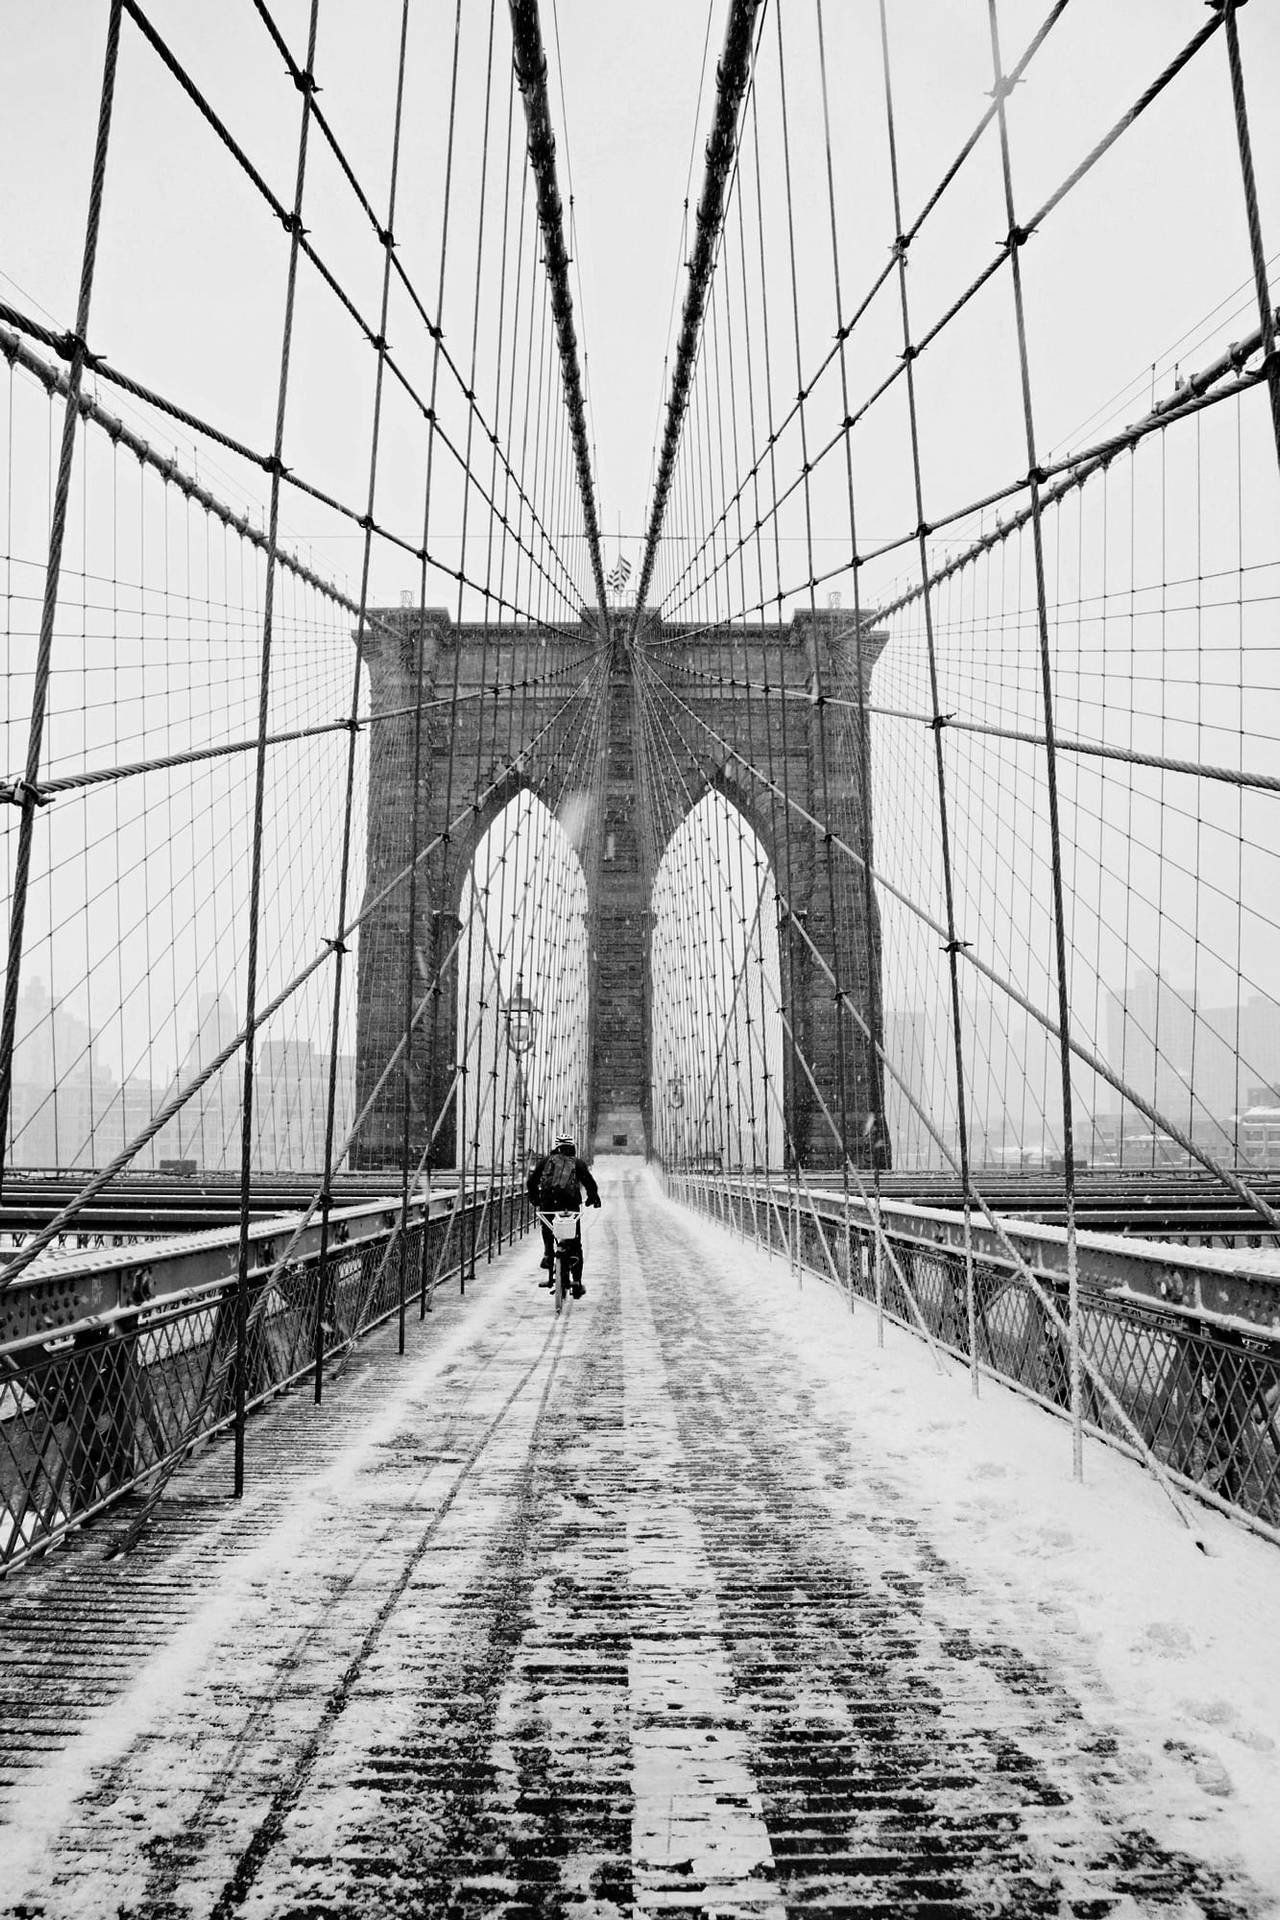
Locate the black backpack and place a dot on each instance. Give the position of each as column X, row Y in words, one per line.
column 558, row 1189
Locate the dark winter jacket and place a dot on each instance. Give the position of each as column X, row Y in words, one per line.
column 582, row 1174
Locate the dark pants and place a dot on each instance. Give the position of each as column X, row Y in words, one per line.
column 574, row 1246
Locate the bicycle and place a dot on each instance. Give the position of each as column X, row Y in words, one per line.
column 566, row 1231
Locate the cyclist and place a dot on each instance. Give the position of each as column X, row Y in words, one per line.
column 556, row 1184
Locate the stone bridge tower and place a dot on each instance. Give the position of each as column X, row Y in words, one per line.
column 716, row 713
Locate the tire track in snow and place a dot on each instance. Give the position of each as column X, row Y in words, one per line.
column 60, row 1810
column 907, row 1761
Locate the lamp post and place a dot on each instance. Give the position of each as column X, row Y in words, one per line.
column 675, row 1100
column 522, row 1019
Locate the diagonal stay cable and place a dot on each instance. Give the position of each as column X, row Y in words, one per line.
column 61, row 343
column 386, row 239
column 1150, row 94
column 1074, row 470
column 59, row 1223
column 1229, row 1178
column 849, row 326
column 305, row 84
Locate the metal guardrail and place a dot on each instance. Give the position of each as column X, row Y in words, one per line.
column 94, row 1408
column 73, row 1284
column 1184, row 1343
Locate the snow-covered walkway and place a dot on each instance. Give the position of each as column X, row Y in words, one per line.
column 694, row 1602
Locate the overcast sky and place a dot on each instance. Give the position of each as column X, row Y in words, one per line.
column 1142, row 271
column 190, row 282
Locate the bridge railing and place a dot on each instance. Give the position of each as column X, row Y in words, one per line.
column 1180, row 1347
column 96, row 1408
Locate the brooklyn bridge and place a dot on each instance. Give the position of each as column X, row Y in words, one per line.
column 700, row 583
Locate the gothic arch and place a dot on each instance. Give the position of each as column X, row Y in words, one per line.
column 717, row 1060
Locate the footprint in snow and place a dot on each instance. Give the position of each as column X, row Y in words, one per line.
column 1208, row 1773
column 1214, row 1713
column 1166, row 1639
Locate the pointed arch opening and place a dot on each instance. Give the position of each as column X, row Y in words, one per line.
column 523, row 1001
column 718, row 1096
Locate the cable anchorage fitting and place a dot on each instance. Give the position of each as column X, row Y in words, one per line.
column 69, row 344
column 22, row 793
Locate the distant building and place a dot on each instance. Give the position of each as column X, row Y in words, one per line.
column 69, row 1111
column 60, row 1090
column 1196, row 1065
column 1013, row 1096
column 1259, row 1129
column 291, row 1104
column 207, row 1130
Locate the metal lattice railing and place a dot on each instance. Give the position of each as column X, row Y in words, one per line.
column 1195, row 1393
column 100, row 1408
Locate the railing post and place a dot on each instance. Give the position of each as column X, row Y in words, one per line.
column 971, row 1301
column 877, row 1268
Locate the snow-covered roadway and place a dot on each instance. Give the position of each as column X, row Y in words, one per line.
column 692, row 1602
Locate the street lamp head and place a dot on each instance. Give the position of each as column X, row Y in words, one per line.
column 522, row 1017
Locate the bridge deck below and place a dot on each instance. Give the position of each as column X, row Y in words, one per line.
column 692, row 1602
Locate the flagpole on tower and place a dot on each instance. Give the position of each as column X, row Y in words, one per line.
column 620, row 572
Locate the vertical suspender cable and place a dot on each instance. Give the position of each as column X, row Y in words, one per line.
column 307, row 88
column 1001, row 86
column 339, row 947
column 795, row 1102
column 1257, row 251
column 732, row 75
column 28, row 794
column 871, row 947
column 909, row 351
column 501, row 1053
column 462, row 567
column 531, row 73
column 816, row 662
column 439, row 927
